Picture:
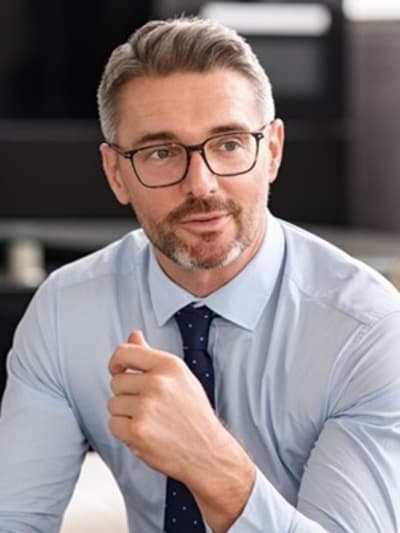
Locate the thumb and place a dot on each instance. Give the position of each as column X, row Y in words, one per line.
column 137, row 337
column 124, row 360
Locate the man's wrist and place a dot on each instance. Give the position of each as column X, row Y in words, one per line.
column 223, row 488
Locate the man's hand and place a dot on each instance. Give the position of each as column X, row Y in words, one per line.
column 161, row 412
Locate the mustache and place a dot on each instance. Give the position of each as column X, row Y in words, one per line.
column 194, row 206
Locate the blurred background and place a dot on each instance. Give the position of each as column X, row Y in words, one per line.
column 334, row 67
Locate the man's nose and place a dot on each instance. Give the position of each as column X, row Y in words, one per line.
column 199, row 180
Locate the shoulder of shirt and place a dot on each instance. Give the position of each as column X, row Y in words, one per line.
column 117, row 259
column 322, row 272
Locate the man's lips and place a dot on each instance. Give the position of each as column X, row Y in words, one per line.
column 201, row 217
column 205, row 221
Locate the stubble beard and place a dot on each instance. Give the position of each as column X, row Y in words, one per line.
column 208, row 252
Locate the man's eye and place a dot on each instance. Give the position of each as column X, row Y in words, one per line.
column 161, row 153
column 230, row 146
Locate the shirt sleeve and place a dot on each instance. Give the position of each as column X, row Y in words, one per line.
column 351, row 481
column 41, row 444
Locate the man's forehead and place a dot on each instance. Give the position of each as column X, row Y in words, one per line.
column 213, row 102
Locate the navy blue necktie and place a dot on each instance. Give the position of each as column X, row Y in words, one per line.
column 182, row 514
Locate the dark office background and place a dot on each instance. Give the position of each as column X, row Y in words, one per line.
column 341, row 163
column 50, row 65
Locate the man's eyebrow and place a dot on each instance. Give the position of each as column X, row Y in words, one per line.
column 169, row 136
column 155, row 137
column 226, row 128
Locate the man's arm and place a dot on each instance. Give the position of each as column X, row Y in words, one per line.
column 41, row 445
column 351, row 481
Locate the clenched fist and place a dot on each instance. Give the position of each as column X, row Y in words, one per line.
column 161, row 412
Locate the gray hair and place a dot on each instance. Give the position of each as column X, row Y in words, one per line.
column 184, row 44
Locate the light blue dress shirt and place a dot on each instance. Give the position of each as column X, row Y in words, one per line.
column 306, row 352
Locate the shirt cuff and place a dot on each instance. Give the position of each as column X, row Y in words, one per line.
column 267, row 510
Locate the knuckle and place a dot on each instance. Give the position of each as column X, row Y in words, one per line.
column 138, row 431
column 173, row 363
column 113, row 383
column 112, row 426
column 160, row 384
column 111, row 404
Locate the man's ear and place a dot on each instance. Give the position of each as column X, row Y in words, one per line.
column 275, row 145
column 113, row 174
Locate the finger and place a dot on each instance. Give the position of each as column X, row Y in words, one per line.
column 128, row 383
column 122, row 406
column 120, row 428
column 134, row 357
column 137, row 337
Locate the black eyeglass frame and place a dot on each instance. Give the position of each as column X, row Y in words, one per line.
column 190, row 148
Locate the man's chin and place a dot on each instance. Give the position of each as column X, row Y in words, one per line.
column 193, row 260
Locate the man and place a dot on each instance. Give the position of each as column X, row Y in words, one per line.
column 299, row 430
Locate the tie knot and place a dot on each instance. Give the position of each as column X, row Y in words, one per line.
column 194, row 324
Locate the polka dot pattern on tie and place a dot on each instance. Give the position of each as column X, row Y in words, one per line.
column 182, row 514
column 194, row 324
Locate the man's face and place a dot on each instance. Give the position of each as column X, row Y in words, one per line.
column 205, row 221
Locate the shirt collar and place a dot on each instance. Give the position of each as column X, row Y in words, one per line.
column 242, row 300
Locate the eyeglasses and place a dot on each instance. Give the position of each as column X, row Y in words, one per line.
column 163, row 165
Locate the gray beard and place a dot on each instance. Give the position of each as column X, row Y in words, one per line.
column 189, row 257
column 184, row 258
